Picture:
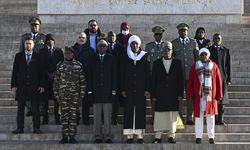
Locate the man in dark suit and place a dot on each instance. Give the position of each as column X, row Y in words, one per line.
column 221, row 56
column 51, row 56
column 101, row 86
column 27, row 83
column 39, row 40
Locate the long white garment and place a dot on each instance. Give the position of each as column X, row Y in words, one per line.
column 210, row 125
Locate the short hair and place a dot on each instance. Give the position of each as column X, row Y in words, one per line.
column 92, row 20
column 28, row 38
column 218, row 35
column 111, row 32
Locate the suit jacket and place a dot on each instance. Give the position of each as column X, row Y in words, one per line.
column 27, row 77
column 102, row 78
column 205, row 43
column 166, row 87
column 39, row 41
column 187, row 54
column 223, row 59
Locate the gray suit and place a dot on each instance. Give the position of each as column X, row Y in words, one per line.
column 187, row 53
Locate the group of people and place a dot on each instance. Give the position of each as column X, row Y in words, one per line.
column 107, row 71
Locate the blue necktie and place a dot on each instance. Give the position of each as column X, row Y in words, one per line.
column 28, row 58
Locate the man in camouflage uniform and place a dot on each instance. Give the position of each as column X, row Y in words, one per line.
column 69, row 86
column 155, row 48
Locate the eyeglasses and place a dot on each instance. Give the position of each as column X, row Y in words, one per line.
column 102, row 45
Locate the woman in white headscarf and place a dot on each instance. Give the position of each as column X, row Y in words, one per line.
column 135, row 76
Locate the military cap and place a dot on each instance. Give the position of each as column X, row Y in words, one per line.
column 182, row 26
column 35, row 20
column 70, row 49
column 158, row 29
column 50, row 36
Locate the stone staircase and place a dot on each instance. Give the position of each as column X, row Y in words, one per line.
column 235, row 135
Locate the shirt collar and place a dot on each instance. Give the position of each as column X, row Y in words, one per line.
column 158, row 42
column 27, row 52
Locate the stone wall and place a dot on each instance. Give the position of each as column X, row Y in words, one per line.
column 247, row 7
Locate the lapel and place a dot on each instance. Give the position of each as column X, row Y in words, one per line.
column 163, row 68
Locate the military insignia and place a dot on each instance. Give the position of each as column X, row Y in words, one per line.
column 41, row 42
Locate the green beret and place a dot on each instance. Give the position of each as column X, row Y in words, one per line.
column 158, row 29
column 182, row 26
column 35, row 20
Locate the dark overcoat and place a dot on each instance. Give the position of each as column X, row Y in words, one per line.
column 223, row 60
column 166, row 87
column 135, row 79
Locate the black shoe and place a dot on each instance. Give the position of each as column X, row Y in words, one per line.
column 85, row 122
column 37, row 131
column 17, row 131
column 72, row 140
column 156, row 140
column 171, row 140
column 108, row 141
column 29, row 113
column 211, row 141
column 64, row 140
column 58, row 122
column 198, row 141
column 98, row 141
column 130, row 140
column 140, row 141
column 189, row 122
column 114, row 122
column 220, row 123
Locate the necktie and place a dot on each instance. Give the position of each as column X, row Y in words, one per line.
column 158, row 45
column 101, row 58
column 183, row 41
column 28, row 58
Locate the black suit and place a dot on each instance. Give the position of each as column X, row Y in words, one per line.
column 166, row 87
column 50, row 61
column 102, row 78
column 221, row 56
column 27, row 78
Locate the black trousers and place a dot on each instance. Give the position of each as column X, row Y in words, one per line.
column 35, row 114
column 86, row 104
column 220, row 116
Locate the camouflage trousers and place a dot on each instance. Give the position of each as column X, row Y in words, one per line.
column 69, row 110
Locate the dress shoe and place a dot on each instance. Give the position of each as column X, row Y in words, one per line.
column 189, row 122
column 140, row 141
column 58, row 122
column 171, row 140
column 85, row 122
column 198, row 141
column 29, row 113
column 37, row 131
column 156, row 140
column 130, row 140
column 72, row 140
column 114, row 122
column 108, row 141
column 64, row 140
column 211, row 141
column 220, row 123
column 98, row 141
column 17, row 131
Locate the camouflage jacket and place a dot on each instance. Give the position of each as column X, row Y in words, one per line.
column 69, row 81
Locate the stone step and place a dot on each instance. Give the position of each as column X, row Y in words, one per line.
column 181, row 145
column 239, row 88
column 243, row 81
column 239, row 95
column 118, row 137
column 230, row 119
column 4, row 80
column 82, row 129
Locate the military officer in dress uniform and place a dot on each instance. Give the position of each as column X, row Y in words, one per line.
column 186, row 50
column 155, row 48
